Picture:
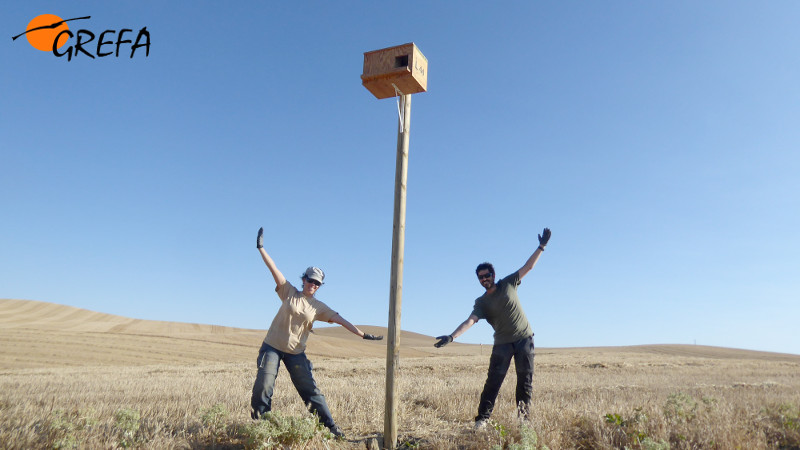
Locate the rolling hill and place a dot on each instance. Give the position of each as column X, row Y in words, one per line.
column 39, row 334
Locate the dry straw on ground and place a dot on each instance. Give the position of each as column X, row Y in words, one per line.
column 55, row 391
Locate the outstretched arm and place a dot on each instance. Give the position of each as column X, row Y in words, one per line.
column 353, row 329
column 276, row 274
column 465, row 325
column 543, row 239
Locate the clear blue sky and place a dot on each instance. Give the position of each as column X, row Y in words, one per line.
column 658, row 140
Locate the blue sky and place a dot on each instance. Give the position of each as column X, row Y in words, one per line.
column 658, row 141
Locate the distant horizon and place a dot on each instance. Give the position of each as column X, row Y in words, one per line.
column 318, row 325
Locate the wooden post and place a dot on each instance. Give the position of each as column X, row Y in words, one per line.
column 396, row 289
column 400, row 70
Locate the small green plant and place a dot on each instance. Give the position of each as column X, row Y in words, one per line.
column 649, row 444
column 60, row 422
column 64, row 427
column 615, row 419
column 782, row 425
column 276, row 430
column 69, row 441
column 126, row 421
column 215, row 418
column 529, row 440
column 789, row 417
column 629, row 430
column 409, row 444
column 499, row 428
column 680, row 407
column 710, row 402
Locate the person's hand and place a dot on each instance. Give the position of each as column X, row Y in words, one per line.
column 443, row 340
column 372, row 337
column 544, row 237
column 260, row 238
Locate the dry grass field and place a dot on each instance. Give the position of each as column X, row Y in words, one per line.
column 71, row 378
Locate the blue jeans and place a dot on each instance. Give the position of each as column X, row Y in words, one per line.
column 522, row 352
column 299, row 368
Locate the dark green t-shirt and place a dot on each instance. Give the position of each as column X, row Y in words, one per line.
column 503, row 311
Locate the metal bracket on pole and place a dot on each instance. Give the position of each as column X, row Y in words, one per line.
column 401, row 104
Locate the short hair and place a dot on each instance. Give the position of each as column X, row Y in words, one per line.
column 485, row 266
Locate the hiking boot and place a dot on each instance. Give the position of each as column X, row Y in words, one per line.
column 481, row 424
column 336, row 432
column 523, row 412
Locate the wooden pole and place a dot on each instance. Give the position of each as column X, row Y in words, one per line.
column 396, row 289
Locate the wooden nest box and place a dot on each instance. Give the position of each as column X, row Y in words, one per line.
column 403, row 66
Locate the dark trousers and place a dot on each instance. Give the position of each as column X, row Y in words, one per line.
column 522, row 352
column 299, row 368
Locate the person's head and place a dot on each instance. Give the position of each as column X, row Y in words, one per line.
column 485, row 273
column 312, row 280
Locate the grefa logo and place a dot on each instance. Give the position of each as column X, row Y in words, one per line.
column 49, row 33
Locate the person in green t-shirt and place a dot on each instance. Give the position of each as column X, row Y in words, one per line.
column 513, row 335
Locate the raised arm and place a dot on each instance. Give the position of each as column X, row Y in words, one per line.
column 543, row 239
column 353, row 329
column 465, row 325
column 276, row 274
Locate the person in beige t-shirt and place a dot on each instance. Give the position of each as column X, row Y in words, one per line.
column 286, row 341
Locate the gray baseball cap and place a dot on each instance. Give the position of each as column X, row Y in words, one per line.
column 315, row 273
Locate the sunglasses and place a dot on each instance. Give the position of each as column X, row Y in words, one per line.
column 486, row 275
column 314, row 282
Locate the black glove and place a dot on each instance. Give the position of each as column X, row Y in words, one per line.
column 544, row 237
column 443, row 340
column 260, row 238
column 372, row 337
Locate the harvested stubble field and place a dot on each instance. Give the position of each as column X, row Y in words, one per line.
column 74, row 378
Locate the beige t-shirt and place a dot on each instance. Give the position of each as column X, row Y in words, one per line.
column 291, row 326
